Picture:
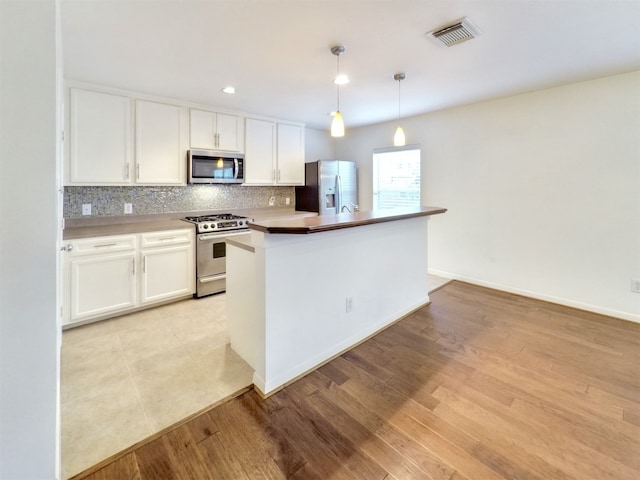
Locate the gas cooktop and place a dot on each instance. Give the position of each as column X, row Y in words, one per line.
column 220, row 222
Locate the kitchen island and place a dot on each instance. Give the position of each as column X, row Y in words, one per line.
column 306, row 289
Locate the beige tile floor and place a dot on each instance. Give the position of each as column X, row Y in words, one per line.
column 126, row 378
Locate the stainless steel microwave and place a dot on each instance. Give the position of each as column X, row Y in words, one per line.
column 208, row 166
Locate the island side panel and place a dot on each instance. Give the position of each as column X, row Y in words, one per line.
column 382, row 268
column 245, row 308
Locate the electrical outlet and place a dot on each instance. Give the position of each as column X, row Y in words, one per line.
column 128, row 208
column 635, row 285
column 349, row 304
column 287, row 201
column 272, row 201
column 86, row 209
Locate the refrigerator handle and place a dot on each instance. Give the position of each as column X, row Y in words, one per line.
column 339, row 190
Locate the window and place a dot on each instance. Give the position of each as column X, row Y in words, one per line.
column 396, row 177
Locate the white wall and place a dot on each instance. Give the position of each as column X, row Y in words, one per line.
column 28, row 332
column 318, row 144
column 543, row 191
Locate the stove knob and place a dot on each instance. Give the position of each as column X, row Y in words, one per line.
column 205, row 226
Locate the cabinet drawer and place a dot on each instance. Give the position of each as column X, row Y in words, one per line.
column 166, row 237
column 101, row 245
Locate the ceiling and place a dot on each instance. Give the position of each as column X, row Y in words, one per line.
column 277, row 53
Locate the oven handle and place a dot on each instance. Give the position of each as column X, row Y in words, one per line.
column 210, row 236
column 212, row 278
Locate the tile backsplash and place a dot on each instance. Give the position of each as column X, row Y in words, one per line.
column 109, row 201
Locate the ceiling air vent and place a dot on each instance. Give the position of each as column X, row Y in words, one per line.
column 458, row 32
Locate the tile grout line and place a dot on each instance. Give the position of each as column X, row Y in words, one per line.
column 135, row 386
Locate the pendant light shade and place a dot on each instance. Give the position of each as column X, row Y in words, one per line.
column 337, row 125
column 399, row 138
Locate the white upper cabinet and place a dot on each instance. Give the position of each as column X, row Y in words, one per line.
column 161, row 143
column 123, row 138
column 274, row 153
column 100, row 146
column 259, row 152
column 290, row 153
column 216, row 131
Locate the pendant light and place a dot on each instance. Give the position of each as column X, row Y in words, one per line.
column 337, row 125
column 398, row 138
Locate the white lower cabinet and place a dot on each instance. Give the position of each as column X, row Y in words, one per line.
column 106, row 276
column 102, row 284
column 168, row 266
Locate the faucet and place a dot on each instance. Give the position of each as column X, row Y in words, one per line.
column 355, row 208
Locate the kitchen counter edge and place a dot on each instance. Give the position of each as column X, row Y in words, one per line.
column 132, row 224
column 326, row 223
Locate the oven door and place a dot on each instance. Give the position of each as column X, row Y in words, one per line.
column 211, row 262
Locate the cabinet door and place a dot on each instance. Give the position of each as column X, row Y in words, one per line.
column 216, row 131
column 167, row 272
column 101, row 284
column 290, row 169
column 202, row 129
column 260, row 152
column 161, row 143
column 230, row 132
column 100, row 147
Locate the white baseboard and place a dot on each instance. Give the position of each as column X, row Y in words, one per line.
column 540, row 296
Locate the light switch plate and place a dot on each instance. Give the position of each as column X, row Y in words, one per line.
column 128, row 208
column 86, row 209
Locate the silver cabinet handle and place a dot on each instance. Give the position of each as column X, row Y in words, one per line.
column 144, row 264
column 137, row 171
column 66, row 248
column 103, row 245
column 134, row 267
column 126, row 171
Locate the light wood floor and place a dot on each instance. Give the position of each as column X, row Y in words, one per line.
column 479, row 385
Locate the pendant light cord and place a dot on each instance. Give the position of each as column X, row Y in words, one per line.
column 399, row 82
column 398, row 77
column 337, row 84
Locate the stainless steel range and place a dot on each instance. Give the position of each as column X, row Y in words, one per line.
column 211, row 249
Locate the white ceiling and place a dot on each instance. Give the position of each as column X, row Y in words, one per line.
column 277, row 53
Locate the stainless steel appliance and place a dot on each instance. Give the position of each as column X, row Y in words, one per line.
column 209, row 166
column 331, row 186
column 211, row 249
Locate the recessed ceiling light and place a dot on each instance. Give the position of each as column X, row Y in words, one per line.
column 229, row 89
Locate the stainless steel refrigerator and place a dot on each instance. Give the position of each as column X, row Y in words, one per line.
column 331, row 186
